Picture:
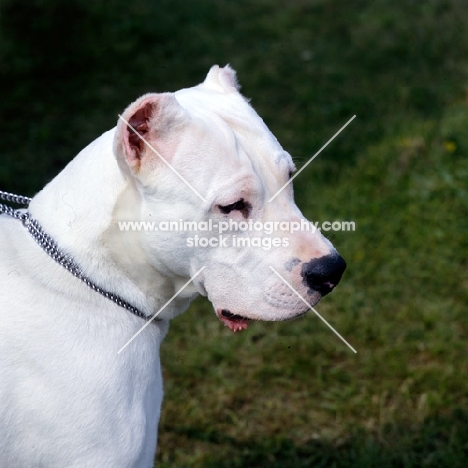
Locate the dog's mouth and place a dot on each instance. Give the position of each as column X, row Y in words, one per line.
column 232, row 321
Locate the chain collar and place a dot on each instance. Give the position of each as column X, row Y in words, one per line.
column 51, row 248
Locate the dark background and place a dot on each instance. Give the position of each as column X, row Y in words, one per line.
column 290, row 394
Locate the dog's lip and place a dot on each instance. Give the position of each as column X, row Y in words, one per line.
column 238, row 322
column 233, row 321
column 229, row 315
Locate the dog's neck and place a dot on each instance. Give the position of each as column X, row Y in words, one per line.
column 80, row 210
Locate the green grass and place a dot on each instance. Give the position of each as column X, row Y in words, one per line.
column 290, row 394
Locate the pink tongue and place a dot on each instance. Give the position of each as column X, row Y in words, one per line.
column 234, row 325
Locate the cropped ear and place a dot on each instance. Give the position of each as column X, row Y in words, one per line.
column 150, row 121
column 223, row 80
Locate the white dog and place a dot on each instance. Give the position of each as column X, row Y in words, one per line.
column 68, row 398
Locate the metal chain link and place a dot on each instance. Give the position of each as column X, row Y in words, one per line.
column 12, row 198
column 52, row 249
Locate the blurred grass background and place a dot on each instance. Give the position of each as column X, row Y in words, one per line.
column 290, row 394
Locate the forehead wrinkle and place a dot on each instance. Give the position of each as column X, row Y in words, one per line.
column 270, row 153
column 261, row 156
column 233, row 113
column 267, row 145
column 269, row 161
column 246, row 131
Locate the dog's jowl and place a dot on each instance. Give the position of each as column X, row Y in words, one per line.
column 182, row 188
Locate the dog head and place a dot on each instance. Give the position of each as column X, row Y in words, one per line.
column 203, row 160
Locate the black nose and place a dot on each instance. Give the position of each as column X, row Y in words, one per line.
column 324, row 273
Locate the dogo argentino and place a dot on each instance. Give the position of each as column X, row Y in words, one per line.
column 67, row 397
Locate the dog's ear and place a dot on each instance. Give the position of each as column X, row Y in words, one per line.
column 148, row 125
column 223, row 80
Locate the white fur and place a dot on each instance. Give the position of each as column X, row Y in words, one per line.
column 67, row 398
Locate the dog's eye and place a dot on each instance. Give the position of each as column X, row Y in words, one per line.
column 240, row 205
column 290, row 174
